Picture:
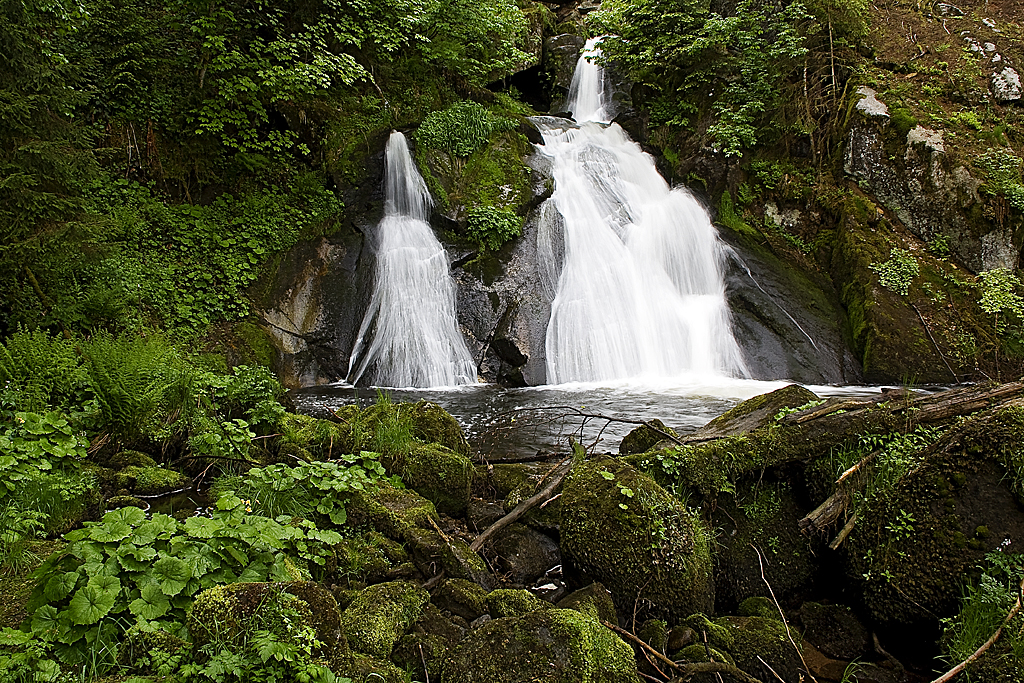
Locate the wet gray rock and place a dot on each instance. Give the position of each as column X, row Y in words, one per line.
column 561, row 53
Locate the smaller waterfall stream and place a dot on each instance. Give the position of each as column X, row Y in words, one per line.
column 409, row 336
column 640, row 292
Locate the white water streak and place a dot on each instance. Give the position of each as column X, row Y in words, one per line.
column 641, row 292
column 414, row 336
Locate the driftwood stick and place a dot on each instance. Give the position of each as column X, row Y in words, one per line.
column 685, row 669
column 949, row 675
column 561, row 471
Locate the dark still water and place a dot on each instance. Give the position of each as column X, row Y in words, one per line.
column 524, row 422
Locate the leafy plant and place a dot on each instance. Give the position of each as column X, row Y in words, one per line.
column 461, row 129
column 129, row 570
column 36, row 445
column 320, row 487
column 898, row 272
column 1003, row 175
column 492, row 226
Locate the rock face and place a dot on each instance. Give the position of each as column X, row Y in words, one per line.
column 907, row 170
column 1006, row 85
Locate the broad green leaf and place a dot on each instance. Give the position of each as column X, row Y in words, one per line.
column 254, row 573
column 108, row 532
column 203, row 527
column 90, row 604
column 153, row 604
column 45, row 623
column 171, row 575
column 132, row 516
column 60, row 586
column 135, row 559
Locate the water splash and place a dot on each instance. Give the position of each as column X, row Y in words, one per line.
column 641, row 292
column 409, row 336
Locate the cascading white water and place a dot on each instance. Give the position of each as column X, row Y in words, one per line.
column 641, row 292
column 414, row 338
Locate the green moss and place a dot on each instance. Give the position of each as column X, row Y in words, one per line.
column 124, row 459
column 759, row 607
column 362, row 667
column 436, row 473
column 513, row 603
column 115, row 502
column 699, row 652
column 463, row 597
column 140, row 649
column 433, row 424
column 643, row 438
column 257, row 346
column 553, row 646
column 595, row 598
column 654, row 632
column 757, row 640
column 645, row 545
column 323, row 439
column 150, row 481
column 375, row 620
column 506, row 478
column 716, row 634
column 389, row 510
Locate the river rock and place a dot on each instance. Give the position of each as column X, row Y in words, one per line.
column 523, row 554
column 624, row 530
column 593, row 597
column 643, row 438
column 543, row 646
column 381, row 614
column 432, row 552
column 429, row 639
column 391, row 511
column 834, row 630
column 438, row 474
column 462, row 597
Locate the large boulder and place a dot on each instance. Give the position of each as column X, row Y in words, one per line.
column 440, row 475
column 624, row 530
column 543, row 646
column 381, row 614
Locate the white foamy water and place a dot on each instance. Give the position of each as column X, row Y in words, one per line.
column 409, row 336
column 641, row 292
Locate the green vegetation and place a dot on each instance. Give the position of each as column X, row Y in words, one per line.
column 898, row 273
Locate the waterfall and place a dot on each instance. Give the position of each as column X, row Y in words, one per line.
column 640, row 292
column 414, row 338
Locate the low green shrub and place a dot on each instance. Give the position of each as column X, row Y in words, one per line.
column 492, row 226
column 461, row 129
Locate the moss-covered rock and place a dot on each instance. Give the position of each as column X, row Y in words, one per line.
column 432, row 424
column 958, row 500
column 437, row 473
column 759, row 606
column 432, row 552
column 115, row 502
column 544, row 646
column 761, row 518
column 626, row 531
column 760, row 643
column 150, row 481
column 389, row 510
column 643, row 438
column 465, row 598
column 381, row 614
column 834, row 630
column 123, row 459
column 756, row 412
column 522, row 555
column 228, row 614
column 508, row 602
column 362, row 667
column 431, row 637
column 322, row 438
column 367, row 558
column 593, row 597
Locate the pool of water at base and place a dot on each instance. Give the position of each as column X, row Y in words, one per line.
column 507, row 423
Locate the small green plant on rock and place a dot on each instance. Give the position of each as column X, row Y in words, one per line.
column 461, row 129
column 898, row 272
column 492, row 226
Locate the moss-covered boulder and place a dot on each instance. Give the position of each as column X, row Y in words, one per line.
column 367, row 558
column 761, row 646
column 593, row 597
column 431, row 552
column 643, row 438
column 511, row 602
column 623, row 529
column 389, row 510
column 543, row 646
column 323, row 439
column 228, row 614
column 522, row 555
column 437, row 473
column 433, row 424
column 151, row 481
column 755, row 413
column 430, row 638
column 761, row 518
column 123, row 459
column 381, row 614
column 944, row 507
column 362, row 667
column 465, row 598
column 834, row 630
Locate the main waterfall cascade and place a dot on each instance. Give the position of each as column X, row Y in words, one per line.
column 409, row 336
column 641, row 292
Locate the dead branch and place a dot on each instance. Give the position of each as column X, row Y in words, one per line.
column 949, row 675
column 685, row 670
column 836, row 504
column 559, row 472
column 843, row 533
